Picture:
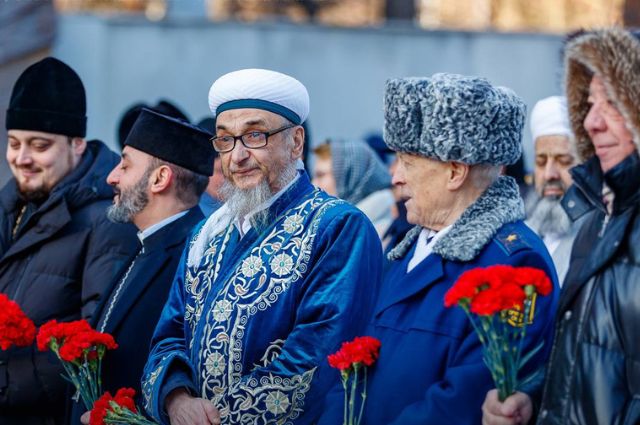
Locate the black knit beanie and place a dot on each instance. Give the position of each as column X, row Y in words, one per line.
column 49, row 97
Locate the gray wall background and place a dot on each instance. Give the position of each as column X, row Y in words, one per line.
column 123, row 60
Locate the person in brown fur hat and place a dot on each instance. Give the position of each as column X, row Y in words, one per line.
column 593, row 375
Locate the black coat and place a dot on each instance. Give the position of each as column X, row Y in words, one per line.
column 594, row 370
column 63, row 258
column 135, row 313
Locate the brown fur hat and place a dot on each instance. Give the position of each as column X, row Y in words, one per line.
column 614, row 55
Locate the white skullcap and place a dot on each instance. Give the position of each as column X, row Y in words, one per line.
column 549, row 118
column 260, row 89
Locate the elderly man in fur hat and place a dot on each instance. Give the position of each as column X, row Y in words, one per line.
column 593, row 375
column 453, row 135
column 273, row 282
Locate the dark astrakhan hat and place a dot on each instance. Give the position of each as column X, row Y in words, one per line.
column 172, row 140
column 451, row 117
column 49, row 97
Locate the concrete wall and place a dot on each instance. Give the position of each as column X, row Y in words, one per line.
column 126, row 60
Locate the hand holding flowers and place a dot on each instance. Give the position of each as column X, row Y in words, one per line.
column 499, row 301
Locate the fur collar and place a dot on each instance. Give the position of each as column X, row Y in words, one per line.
column 498, row 205
column 613, row 54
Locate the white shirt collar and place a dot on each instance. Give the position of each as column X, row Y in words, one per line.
column 246, row 222
column 143, row 234
column 424, row 245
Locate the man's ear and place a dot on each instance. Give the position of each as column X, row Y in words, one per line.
column 457, row 175
column 298, row 142
column 78, row 145
column 161, row 179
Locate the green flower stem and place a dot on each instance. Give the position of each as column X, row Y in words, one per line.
column 363, row 394
column 345, row 379
column 121, row 415
column 352, row 396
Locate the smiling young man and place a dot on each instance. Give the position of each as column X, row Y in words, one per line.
column 58, row 251
column 593, row 374
column 273, row 282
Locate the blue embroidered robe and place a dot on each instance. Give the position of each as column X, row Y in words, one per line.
column 250, row 326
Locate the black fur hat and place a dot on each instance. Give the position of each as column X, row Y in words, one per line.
column 49, row 97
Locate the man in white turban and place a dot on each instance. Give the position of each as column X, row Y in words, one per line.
column 273, row 282
column 554, row 157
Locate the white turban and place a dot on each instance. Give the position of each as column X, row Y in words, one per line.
column 549, row 118
column 260, row 89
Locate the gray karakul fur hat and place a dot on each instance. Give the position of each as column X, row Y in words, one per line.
column 451, row 117
column 614, row 55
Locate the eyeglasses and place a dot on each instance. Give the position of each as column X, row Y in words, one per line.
column 251, row 140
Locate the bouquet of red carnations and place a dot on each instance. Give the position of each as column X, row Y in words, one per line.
column 499, row 302
column 16, row 329
column 353, row 357
column 80, row 349
column 118, row 409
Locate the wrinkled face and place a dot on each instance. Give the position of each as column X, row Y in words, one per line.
column 247, row 168
column 554, row 158
column 323, row 176
column 130, row 181
column 40, row 160
column 611, row 138
column 422, row 182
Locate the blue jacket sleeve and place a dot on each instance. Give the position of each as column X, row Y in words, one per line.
column 168, row 366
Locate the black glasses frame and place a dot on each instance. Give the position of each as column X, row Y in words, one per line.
column 266, row 134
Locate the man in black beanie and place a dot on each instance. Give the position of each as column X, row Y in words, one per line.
column 58, row 250
column 164, row 169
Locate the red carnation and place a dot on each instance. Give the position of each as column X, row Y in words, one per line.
column 535, row 277
column 117, row 409
column 340, row 360
column 364, row 349
column 100, row 408
column 16, row 329
column 124, row 398
column 494, row 300
column 467, row 286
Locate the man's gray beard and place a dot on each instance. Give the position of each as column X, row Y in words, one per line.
column 547, row 217
column 130, row 202
column 243, row 201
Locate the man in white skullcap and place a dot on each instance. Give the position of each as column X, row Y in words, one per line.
column 554, row 156
column 273, row 282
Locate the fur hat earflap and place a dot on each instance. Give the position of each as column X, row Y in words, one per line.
column 614, row 55
column 451, row 117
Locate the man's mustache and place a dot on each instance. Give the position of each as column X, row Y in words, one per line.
column 554, row 184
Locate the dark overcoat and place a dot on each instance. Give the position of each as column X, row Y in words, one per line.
column 62, row 260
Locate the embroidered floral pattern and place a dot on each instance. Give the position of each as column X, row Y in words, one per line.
column 222, row 310
column 251, row 266
column 215, row 364
column 282, row 264
column 219, row 304
column 277, row 402
column 292, row 223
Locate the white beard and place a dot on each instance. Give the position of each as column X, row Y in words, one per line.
column 547, row 217
column 244, row 201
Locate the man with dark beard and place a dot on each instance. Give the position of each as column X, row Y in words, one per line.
column 554, row 157
column 58, row 251
column 165, row 167
column 272, row 283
